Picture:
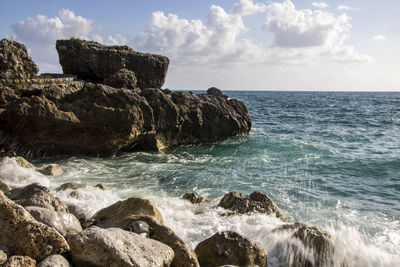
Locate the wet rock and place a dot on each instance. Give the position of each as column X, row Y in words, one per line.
column 15, row 63
column 95, row 62
column 20, row 261
column 3, row 186
column 23, row 235
column 195, row 199
column 54, row 261
column 3, row 257
column 101, row 186
column 121, row 213
column 95, row 246
column 85, row 221
column 255, row 202
column 24, row 163
column 138, row 227
column 306, row 246
column 51, row 170
column 230, row 248
column 38, row 196
column 123, row 78
column 71, row 185
column 64, row 223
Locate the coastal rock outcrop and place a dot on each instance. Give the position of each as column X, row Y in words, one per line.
column 95, row 62
column 255, row 202
column 195, row 199
column 54, row 261
column 230, row 248
column 36, row 195
column 23, row 235
column 15, row 63
column 51, row 170
column 65, row 223
column 95, row 246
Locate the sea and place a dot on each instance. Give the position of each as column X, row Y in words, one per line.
column 328, row 159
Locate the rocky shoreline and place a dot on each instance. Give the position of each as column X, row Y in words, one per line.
column 38, row 229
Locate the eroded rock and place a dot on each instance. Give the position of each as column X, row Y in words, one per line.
column 123, row 78
column 54, row 261
column 72, row 185
column 195, row 199
column 20, row 261
column 51, row 170
column 3, row 186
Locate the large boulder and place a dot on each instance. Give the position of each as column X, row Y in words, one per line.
column 38, row 196
column 54, row 261
column 123, row 78
column 65, row 223
column 15, row 63
column 95, row 62
column 306, row 246
column 121, row 213
column 255, row 202
column 23, row 235
column 95, row 246
column 230, row 248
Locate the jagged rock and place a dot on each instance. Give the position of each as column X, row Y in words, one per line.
column 3, row 186
column 71, row 185
column 95, row 62
column 195, row 199
column 306, row 246
column 230, row 248
column 15, row 63
column 54, row 261
column 23, row 235
column 123, row 78
column 64, row 223
column 38, row 196
column 214, row 91
column 121, row 213
column 3, row 257
column 20, row 261
column 95, row 246
column 255, row 202
column 51, row 170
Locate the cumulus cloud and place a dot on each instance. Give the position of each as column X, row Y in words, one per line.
column 346, row 8
column 379, row 38
column 248, row 7
column 320, row 5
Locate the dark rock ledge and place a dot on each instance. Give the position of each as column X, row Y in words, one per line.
column 116, row 105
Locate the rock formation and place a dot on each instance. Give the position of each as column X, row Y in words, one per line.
column 195, row 199
column 54, row 261
column 81, row 117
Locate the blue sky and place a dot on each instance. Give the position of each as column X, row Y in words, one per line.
column 232, row 44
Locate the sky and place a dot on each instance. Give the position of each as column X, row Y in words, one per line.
column 345, row 45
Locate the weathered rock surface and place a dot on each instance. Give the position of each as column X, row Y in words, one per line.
column 54, row 261
column 38, row 196
column 65, row 223
column 3, row 186
column 121, row 213
column 72, row 185
column 307, row 245
column 20, row 261
column 95, row 246
column 15, row 63
column 51, row 170
column 23, row 235
column 95, row 62
column 96, row 119
column 195, row 199
column 255, row 202
column 3, row 257
column 123, row 78
column 138, row 227
column 230, row 248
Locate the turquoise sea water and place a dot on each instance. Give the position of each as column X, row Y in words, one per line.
column 327, row 159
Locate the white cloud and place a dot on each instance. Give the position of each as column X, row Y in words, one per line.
column 379, row 38
column 346, row 8
column 248, row 7
column 320, row 5
column 116, row 40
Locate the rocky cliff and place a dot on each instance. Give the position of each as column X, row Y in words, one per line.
column 90, row 117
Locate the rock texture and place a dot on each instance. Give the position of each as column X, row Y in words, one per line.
column 64, row 223
column 54, row 261
column 3, row 257
column 20, row 261
column 195, row 199
column 23, row 235
column 121, row 213
column 15, row 63
column 306, row 246
column 123, row 78
column 230, row 248
column 3, row 186
column 71, row 185
column 38, row 196
column 95, row 246
column 255, row 202
column 51, row 170
column 95, row 62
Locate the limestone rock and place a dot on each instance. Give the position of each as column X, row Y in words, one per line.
column 23, row 235
column 54, row 261
column 15, row 63
column 230, row 248
column 195, row 199
column 307, row 245
column 51, row 170
column 64, row 223
column 121, row 213
column 38, row 196
column 3, row 186
column 20, row 261
column 256, row 202
column 3, row 257
column 95, row 246
column 123, row 78
column 95, row 62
